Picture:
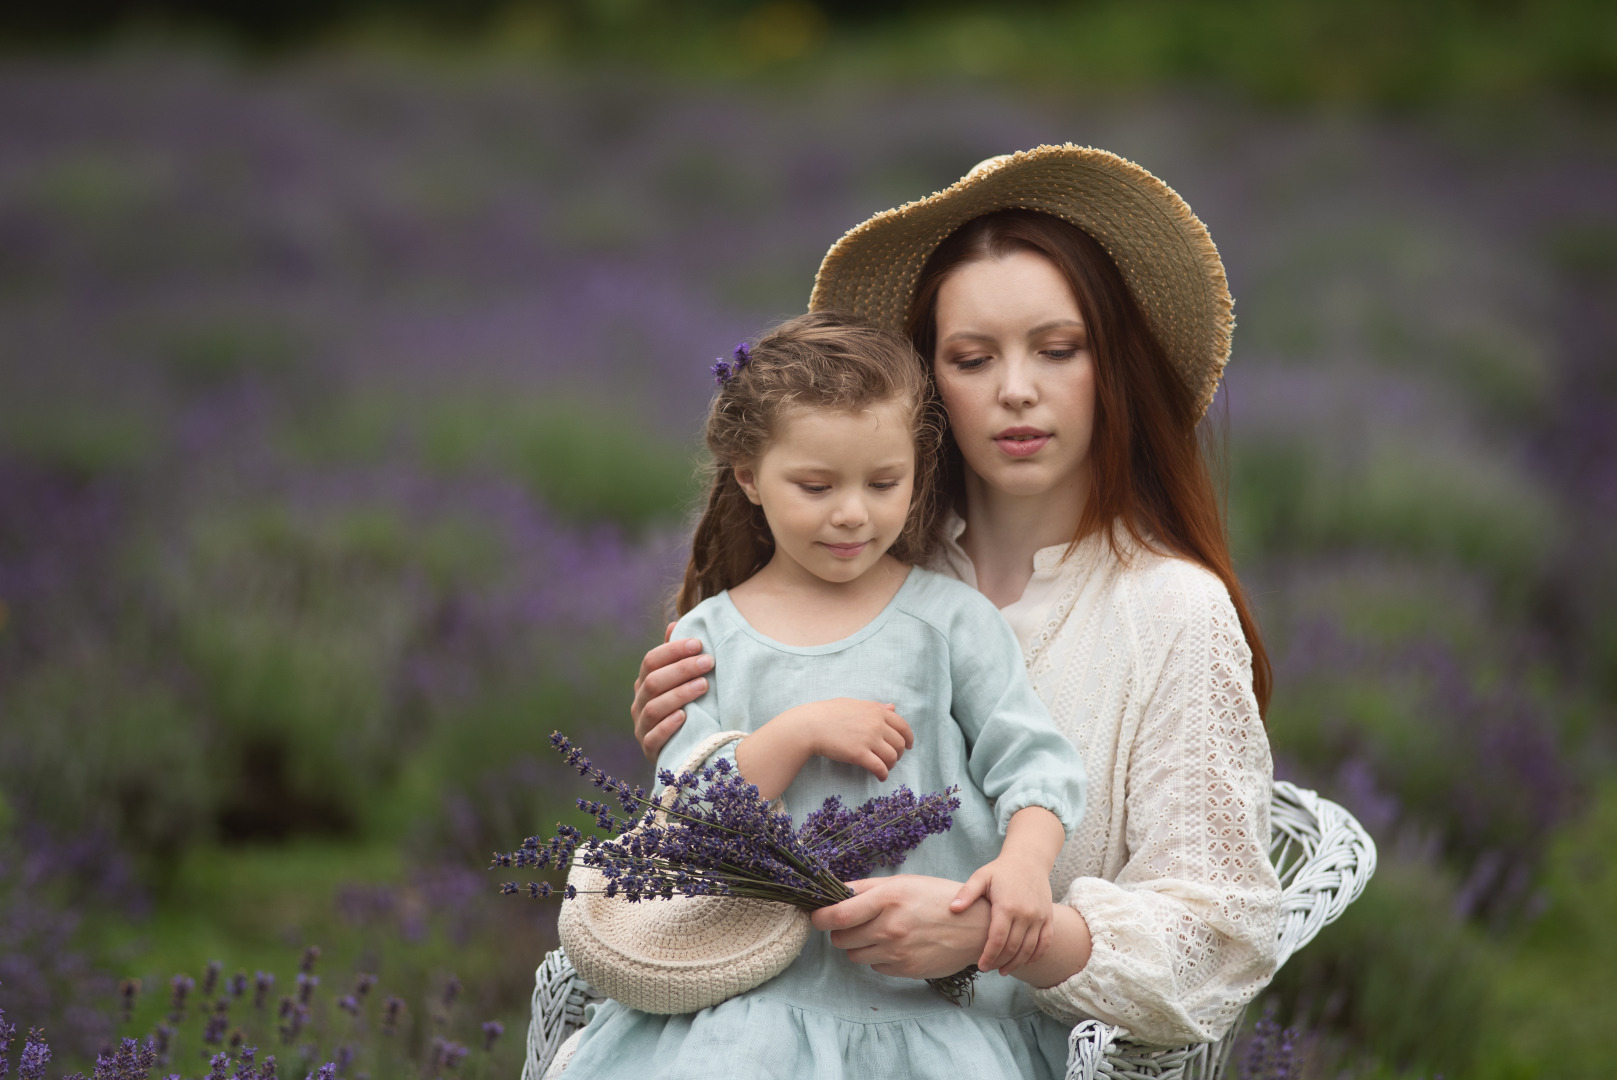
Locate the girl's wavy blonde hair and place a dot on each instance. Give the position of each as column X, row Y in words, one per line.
column 817, row 361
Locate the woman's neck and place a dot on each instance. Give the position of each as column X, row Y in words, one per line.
column 1004, row 532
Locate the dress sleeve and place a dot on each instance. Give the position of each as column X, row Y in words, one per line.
column 1016, row 756
column 1186, row 934
column 704, row 715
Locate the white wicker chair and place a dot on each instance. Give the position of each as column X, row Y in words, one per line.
column 1324, row 858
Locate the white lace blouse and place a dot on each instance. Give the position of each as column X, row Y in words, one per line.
column 1142, row 662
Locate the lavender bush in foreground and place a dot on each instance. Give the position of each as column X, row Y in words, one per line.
column 711, row 834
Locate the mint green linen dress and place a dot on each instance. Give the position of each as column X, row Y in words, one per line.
column 946, row 658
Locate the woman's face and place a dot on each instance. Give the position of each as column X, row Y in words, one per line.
column 1015, row 373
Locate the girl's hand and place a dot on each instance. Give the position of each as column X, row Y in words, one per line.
column 864, row 733
column 1020, row 928
column 901, row 925
column 671, row 677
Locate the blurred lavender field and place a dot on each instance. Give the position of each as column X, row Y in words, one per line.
column 347, row 414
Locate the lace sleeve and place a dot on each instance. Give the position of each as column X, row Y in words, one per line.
column 1186, row 934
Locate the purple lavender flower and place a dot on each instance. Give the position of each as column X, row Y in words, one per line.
column 266, row 1071
column 35, row 1056
column 392, row 1012
column 262, row 984
column 345, row 1058
column 451, row 992
column 328, row 1071
column 210, row 979
column 244, row 1064
column 238, row 984
column 492, row 1030
column 721, row 371
column 217, row 1067
column 128, row 991
column 180, row 988
column 311, row 956
column 306, row 987
column 7, row 1033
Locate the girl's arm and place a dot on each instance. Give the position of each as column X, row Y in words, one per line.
column 1017, row 885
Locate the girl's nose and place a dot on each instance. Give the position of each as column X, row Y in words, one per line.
column 1017, row 389
column 849, row 512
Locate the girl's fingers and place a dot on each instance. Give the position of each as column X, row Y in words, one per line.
column 998, row 930
column 892, row 738
column 976, row 885
column 873, row 764
column 902, row 727
column 1046, row 935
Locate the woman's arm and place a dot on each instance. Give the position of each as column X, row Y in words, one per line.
column 902, row 925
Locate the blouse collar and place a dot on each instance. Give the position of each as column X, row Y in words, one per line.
column 1047, row 561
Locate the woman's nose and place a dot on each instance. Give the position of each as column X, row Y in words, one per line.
column 1017, row 388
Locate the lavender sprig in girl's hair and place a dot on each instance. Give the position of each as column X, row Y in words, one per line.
column 724, row 370
column 712, row 834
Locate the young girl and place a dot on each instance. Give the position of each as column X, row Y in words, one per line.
column 802, row 583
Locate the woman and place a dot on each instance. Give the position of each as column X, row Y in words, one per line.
column 1076, row 318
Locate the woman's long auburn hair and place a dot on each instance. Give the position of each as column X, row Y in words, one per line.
column 1148, row 469
column 816, row 361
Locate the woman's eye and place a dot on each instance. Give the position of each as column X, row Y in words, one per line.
column 970, row 363
column 1062, row 352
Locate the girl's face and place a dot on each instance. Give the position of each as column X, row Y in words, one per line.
column 1014, row 370
column 835, row 487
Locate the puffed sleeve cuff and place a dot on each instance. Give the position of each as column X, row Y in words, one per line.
column 1158, row 968
column 1061, row 805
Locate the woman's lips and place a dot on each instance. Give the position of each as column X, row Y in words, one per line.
column 1021, row 442
column 846, row 551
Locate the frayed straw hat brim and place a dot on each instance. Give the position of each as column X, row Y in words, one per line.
column 1164, row 252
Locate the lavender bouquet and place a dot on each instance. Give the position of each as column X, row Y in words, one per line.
column 710, row 833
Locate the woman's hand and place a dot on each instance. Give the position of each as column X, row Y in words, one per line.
column 671, row 677
column 902, row 925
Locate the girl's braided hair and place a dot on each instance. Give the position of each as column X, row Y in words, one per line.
column 818, row 361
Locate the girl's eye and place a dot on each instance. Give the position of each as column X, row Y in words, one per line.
column 885, row 485
column 815, row 489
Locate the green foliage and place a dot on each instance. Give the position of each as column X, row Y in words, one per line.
column 585, row 458
column 1419, row 1006
column 1557, row 985
column 1288, row 495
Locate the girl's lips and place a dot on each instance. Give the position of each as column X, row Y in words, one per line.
column 846, row 551
column 1021, row 444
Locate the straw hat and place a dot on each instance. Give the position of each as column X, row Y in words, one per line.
column 1166, row 257
column 679, row 955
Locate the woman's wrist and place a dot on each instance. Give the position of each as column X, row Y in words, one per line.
column 1068, row 953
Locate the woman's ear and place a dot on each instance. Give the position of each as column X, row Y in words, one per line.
column 748, row 482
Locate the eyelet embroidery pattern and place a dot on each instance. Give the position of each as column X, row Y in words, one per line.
column 1144, row 666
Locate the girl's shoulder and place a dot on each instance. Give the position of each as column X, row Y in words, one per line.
column 944, row 602
column 713, row 620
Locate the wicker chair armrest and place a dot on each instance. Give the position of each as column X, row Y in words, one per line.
column 559, row 997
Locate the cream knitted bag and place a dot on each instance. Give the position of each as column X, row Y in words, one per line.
column 679, row 955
